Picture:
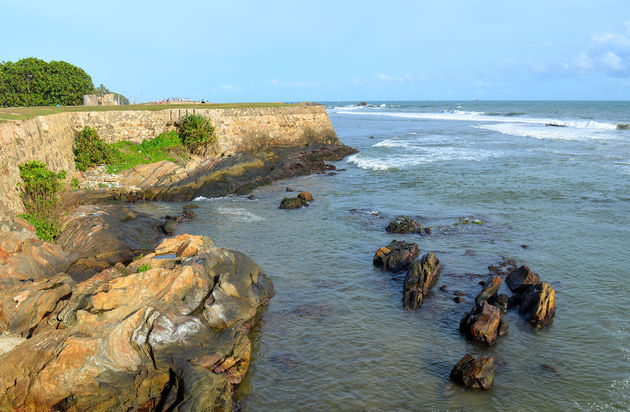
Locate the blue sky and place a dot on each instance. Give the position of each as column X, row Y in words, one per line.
column 320, row 50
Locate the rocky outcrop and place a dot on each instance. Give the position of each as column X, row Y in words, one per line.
column 404, row 224
column 521, row 278
column 292, row 203
column 397, row 256
column 489, row 290
column 536, row 299
column 482, row 323
column 474, row 372
column 419, row 280
column 170, row 336
column 305, row 196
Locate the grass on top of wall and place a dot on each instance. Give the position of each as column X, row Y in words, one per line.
column 22, row 113
column 166, row 146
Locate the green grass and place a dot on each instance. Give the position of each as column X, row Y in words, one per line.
column 166, row 146
column 21, row 113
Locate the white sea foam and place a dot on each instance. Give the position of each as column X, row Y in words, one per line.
column 482, row 117
column 422, row 155
column 538, row 131
column 203, row 198
column 239, row 214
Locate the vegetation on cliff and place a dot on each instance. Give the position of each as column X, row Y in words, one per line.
column 91, row 150
column 34, row 82
column 166, row 146
column 40, row 190
column 196, row 131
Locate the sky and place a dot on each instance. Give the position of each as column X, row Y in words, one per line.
column 243, row 51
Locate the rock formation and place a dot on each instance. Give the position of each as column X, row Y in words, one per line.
column 397, row 256
column 474, row 372
column 404, row 224
column 419, row 280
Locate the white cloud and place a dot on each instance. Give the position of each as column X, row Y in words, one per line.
column 612, row 61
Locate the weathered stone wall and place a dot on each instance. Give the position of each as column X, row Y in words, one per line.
column 50, row 138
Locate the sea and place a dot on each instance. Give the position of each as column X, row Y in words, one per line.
column 550, row 184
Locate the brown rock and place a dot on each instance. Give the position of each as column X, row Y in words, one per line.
column 482, row 324
column 397, row 256
column 419, row 280
column 538, row 304
column 305, row 196
column 519, row 279
column 489, row 290
column 474, row 372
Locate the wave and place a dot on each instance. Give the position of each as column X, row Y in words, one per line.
column 239, row 214
column 422, row 155
column 538, row 131
column 483, row 117
column 508, row 114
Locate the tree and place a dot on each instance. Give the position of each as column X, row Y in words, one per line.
column 33, row 82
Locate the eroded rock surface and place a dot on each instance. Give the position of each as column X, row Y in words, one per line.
column 397, row 256
column 482, row 323
column 474, row 372
column 404, row 224
column 419, row 280
column 170, row 336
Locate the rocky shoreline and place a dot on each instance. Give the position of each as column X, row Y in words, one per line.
column 118, row 315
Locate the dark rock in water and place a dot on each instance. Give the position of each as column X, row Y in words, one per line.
column 489, row 290
column 292, row 203
column 500, row 301
column 469, row 252
column 371, row 137
column 459, row 293
column 404, row 224
column 458, row 299
column 187, row 216
column 525, row 246
column 443, row 288
column 341, row 170
column 397, row 256
column 169, row 226
column 482, row 283
column 288, row 189
column 474, row 373
column 514, row 301
column 419, row 280
column 251, row 197
column 538, row 304
column 482, row 323
column 549, row 368
column 555, row 125
column 362, row 104
column 427, row 230
column 519, row 279
column 306, row 196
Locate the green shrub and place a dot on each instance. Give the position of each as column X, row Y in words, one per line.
column 91, row 150
column 74, row 184
column 144, row 268
column 196, row 132
column 39, row 190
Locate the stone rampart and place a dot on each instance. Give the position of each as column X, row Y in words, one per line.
column 50, row 138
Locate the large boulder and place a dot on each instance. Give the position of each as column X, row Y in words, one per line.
column 474, row 372
column 173, row 336
column 419, row 280
column 538, row 304
column 489, row 290
column 482, row 323
column 292, row 203
column 404, row 224
column 521, row 278
column 397, row 256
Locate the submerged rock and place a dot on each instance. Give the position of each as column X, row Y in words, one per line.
column 419, row 280
column 404, row 224
column 292, row 203
column 397, row 256
column 474, row 372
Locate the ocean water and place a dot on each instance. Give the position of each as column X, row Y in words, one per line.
column 554, row 176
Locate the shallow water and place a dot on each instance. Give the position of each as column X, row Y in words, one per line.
column 335, row 336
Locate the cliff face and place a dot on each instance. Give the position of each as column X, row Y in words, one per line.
column 50, row 138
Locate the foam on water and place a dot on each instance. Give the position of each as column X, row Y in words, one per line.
column 538, row 131
column 421, row 155
column 239, row 214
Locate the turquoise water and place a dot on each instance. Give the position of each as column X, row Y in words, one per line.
column 335, row 336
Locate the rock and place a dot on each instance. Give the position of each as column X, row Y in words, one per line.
column 159, row 339
column 169, row 226
column 538, row 304
column 288, row 189
column 403, row 224
column 525, row 246
column 519, row 279
column 459, row 293
column 292, row 203
column 184, row 245
column 503, row 268
column 504, row 327
column 489, row 290
column 458, row 299
column 305, row 196
column 474, row 372
column 443, row 288
column 427, row 230
column 500, row 301
column 23, row 256
column 251, row 197
column 362, row 104
column 482, row 283
column 482, row 323
column 419, row 280
column 397, row 256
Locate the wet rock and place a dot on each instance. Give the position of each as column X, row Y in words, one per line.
column 292, row 203
column 482, row 323
column 474, row 372
column 538, row 304
column 419, row 280
column 122, row 340
column 443, row 288
column 288, row 189
column 427, row 230
column 458, row 299
column 404, row 224
column 520, row 279
column 397, row 256
column 489, row 290
column 306, row 197
column 169, row 226
column 504, row 327
column 525, row 246
column 501, row 301
column 482, row 283
column 251, row 197
column 503, row 268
